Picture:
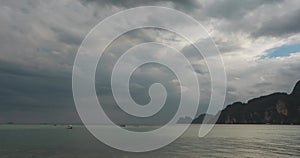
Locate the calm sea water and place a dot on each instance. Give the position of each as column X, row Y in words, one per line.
column 46, row 141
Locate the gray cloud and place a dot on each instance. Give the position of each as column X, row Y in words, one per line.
column 39, row 40
column 186, row 5
column 281, row 25
column 68, row 36
column 234, row 10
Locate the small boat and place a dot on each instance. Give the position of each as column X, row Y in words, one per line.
column 70, row 127
column 122, row 125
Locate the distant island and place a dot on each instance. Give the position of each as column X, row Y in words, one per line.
column 276, row 108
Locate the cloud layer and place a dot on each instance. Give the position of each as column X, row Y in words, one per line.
column 39, row 41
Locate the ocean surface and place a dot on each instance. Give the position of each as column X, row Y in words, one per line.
column 48, row 141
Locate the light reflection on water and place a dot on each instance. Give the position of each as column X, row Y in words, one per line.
column 223, row 141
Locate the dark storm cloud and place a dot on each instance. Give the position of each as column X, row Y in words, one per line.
column 37, row 49
column 19, row 70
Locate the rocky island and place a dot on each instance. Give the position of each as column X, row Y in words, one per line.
column 276, row 108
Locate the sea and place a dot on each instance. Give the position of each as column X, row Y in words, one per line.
column 49, row 141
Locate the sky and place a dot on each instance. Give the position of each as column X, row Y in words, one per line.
column 259, row 42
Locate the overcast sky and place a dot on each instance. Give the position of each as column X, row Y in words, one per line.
column 259, row 41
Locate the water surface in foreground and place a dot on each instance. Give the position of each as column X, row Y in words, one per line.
column 47, row 141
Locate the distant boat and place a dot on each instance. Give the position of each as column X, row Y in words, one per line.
column 122, row 125
column 70, row 127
